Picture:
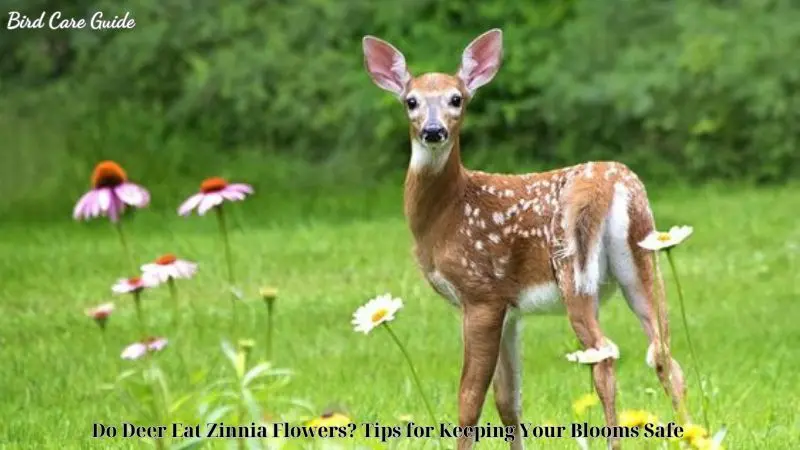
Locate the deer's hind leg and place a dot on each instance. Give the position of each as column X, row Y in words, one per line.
column 580, row 263
column 581, row 309
column 639, row 277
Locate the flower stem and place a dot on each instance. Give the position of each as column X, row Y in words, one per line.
column 149, row 374
column 223, row 230
column 244, row 353
column 173, row 292
column 137, row 302
column 106, row 347
column 413, row 372
column 125, row 247
column 689, row 338
column 269, row 329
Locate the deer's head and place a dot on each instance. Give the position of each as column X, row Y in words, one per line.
column 435, row 102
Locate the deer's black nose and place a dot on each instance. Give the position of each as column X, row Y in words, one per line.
column 434, row 133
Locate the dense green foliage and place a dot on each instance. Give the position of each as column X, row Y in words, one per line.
column 687, row 90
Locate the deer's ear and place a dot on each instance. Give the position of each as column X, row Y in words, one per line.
column 386, row 65
column 481, row 60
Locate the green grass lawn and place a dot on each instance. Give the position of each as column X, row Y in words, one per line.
column 740, row 273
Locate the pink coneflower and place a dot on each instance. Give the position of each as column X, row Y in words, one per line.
column 213, row 191
column 168, row 267
column 134, row 285
column 111, row 191
column 101, row 313
column 139, row 349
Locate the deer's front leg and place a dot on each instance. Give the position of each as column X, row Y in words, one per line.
column 508, row 381
column 483, row 330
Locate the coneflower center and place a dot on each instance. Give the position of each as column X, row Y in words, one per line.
column 378, row 315
column 134, row 280
column 166, row 260
column 213, row 184
column 108, row 174
column 100, row 314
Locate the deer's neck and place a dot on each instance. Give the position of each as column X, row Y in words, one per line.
column 434, row 189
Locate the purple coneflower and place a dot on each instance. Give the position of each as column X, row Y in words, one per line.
column 133, row 285
column 213, row 191
column 111, row 191
column 101, row 313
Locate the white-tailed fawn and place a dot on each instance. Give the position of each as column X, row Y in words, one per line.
column 499, row 246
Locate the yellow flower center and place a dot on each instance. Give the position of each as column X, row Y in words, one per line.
column 108, row 174
column 379, row 315
column 165, row 260
column 213, row 184
column 664, row 237
column 268, row 293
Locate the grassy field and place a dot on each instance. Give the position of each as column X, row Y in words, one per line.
column 740, row 273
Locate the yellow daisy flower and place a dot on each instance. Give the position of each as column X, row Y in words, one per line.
column 332, row 419
column 584, row 403
column 693, row 432
column 636, row 418
column 704, row 443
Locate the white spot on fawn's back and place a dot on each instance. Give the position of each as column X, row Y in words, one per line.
column 587, row 171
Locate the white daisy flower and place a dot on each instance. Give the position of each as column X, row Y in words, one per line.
column 377, row 311
column 169, row 267
column 139, row 349
column 665, row 240
column 595, row 355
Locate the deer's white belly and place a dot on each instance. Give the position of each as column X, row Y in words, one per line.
column 540, row 299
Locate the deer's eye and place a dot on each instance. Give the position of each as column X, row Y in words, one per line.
column 412, row 103
column 455, row 101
